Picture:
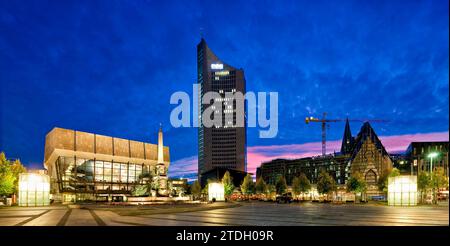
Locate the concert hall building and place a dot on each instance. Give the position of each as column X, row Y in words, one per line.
column 93, row 167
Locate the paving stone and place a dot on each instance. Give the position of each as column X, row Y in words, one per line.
column 81, row 217
column 48, row 219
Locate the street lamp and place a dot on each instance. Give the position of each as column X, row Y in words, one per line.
column 431, row 156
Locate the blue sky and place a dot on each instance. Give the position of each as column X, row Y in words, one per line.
column 110, row 67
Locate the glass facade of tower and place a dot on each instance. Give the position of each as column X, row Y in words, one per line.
column 200, row 65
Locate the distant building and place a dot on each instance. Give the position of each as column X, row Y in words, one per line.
column 369, row 158
column 225, row 146
column 364, row 154
column 310, row 166
column 417, row 155
column 87, row 166
column 401, row 162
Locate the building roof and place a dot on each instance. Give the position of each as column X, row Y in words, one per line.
column 213, row 58
column 427, row 144
column 304, row 160
column 223, row 169
column 367, row 132
column 68, row 142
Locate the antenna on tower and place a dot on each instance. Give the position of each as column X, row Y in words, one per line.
column 201, row 32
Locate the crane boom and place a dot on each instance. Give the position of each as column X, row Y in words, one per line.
column 324, row 122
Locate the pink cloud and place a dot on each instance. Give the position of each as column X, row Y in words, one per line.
column 183, row 167
column 259, row 154
column 394, row 144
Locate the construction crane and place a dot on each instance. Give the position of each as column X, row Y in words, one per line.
column 325, row 123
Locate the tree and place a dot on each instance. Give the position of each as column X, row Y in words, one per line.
column 438, row 181
column 296, row 186
column 394, row 172
column 228, row 185
column 247, row 186
column 356, row 184
column 17, row 168
column 383, row 180
column 2, row 159
column 281, row 185
column 186, row 188
column 261, row 186
column 7, row 180
column 205, row 191
column 325, row 183
column 423, row 184
column 196, row 189
column 301, row 184
column 271, row 189
column 9, row 175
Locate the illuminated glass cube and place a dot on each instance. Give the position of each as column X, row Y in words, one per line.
column 34, row 189
column 402, row 191
column 216, row 191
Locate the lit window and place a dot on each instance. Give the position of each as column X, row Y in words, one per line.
column 222, row 73
column 216, row 66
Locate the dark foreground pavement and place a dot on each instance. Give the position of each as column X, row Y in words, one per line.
column 251, row 213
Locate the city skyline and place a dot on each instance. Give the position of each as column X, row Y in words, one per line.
column 99, row 75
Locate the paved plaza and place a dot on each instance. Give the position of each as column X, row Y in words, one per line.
column 252, row 213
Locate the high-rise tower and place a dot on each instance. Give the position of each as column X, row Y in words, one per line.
column 225, row 146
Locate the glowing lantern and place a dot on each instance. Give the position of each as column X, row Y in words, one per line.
column 34, row 189
column 216, row 191
column 402, row 191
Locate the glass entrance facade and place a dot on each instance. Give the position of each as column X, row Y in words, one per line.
column 96, row 176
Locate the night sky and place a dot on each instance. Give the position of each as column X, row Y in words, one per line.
column 110, row 67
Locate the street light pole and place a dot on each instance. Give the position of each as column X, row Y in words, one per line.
column 431, row 165
column 431, row 156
